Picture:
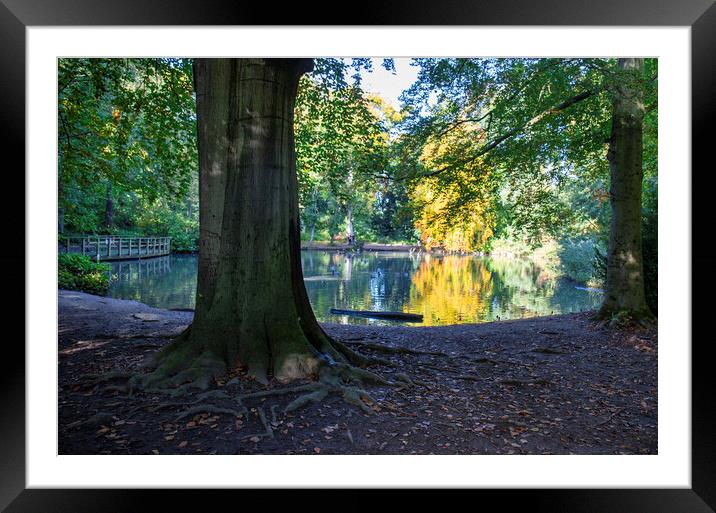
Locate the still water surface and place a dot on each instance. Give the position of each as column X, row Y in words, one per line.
column 447, row 289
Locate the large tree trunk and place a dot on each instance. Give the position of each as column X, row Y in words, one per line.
column 252, row 309
column 625, row 273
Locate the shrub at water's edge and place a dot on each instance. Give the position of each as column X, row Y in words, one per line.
column 569, row 257
column 78, row 272
column 576, row 259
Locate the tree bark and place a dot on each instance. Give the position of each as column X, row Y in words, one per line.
column 252, row 309
column 625, row 275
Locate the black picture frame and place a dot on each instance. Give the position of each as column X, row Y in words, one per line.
column 700, row 15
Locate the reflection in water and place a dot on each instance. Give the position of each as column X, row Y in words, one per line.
column 166, row 282
column 445, row 289
column 451, row 290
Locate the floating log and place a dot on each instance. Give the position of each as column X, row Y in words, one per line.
column 591, row 289
column 396, row 316
column 322, row 278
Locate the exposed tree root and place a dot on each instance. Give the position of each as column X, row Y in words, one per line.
column 624, row 319
column 95, row 379
column 518, row 382
column 498, row 362
column 548, row 350
column 177, row 370
column 96, row 420
column 380, row 348
column 303, row 400
column 208, row 408
column 357, row 358
column 339, row 379
column 268, row 430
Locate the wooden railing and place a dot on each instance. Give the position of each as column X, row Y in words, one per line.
column 109, row 247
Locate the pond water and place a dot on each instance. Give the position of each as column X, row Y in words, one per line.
column 449, row 289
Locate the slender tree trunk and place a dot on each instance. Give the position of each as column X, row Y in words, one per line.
column 252, row 309
column 349, row 222
column 60, row 198
column 314, row 217
column 109, row 207
column 625, row 273
column 349, row 208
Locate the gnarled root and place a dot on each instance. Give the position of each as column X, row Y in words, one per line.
column 179, row 369
column 340, row 379
column 356, row 358
column 176, row 369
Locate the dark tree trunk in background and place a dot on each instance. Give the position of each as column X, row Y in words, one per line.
column 61, row 220
column 252, row 309
column 625, row 273
column 109, row 208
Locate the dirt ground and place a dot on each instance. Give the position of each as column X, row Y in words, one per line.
column 547, row 385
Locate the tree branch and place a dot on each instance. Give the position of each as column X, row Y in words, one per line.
column 519, row 90
column 515, row 131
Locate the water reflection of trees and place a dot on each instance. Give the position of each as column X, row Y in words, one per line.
column 167, row 282
column 363, row 281
column 445, row 289
column 521, row 290
column 454, row 289
column 525, row 291
column 451, row 289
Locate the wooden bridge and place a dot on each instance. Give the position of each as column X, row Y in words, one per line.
column 108, row 247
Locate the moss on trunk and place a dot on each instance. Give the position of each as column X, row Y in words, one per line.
column 252, row 309
column 625, row 274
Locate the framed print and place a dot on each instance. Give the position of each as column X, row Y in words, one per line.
column 44, row 469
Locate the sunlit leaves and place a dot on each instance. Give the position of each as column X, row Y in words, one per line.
column 340, row 144
column 520, row 119
column 126, row 126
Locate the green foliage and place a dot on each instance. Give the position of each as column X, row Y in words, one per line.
column 128, row 161
column 539, row 128
column 500, row 155
column 184, row 242
column 342, row 151
column 576, row 256
column 127, row 141
column 78, row 272
column 392, row 217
